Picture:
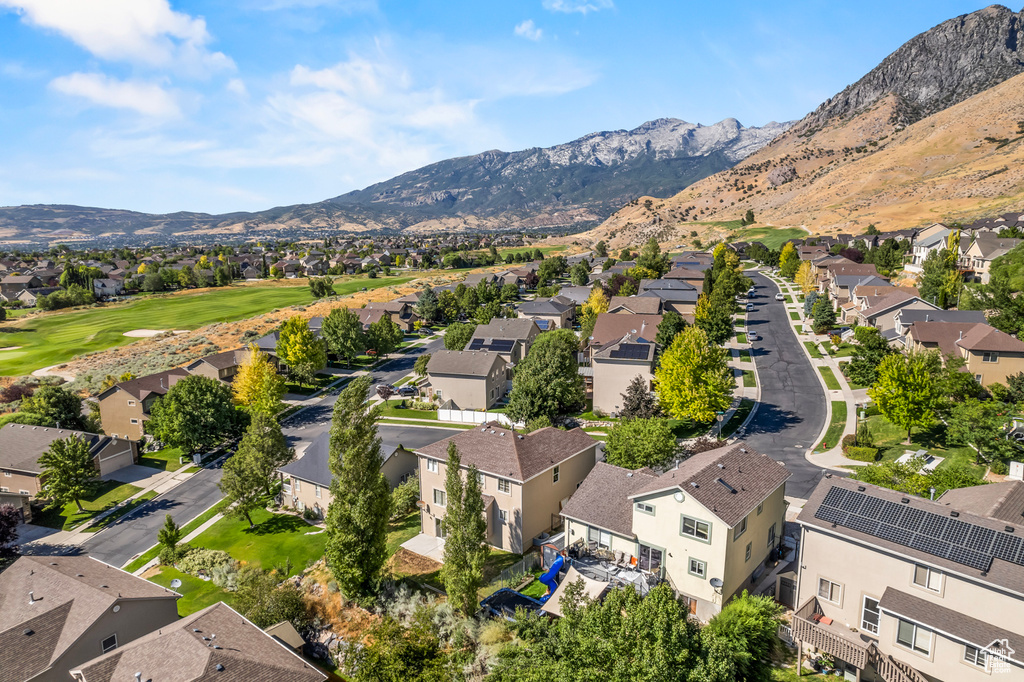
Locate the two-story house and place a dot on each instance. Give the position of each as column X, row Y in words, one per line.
column 991, row 355
column 525, row 479
column 708, row 526
column 511, row 338
column 901, row 588
column 549, row 313
column 222, row 366
column 976, row 260
column 470, row 379
column 125, row 406
column 614, row 366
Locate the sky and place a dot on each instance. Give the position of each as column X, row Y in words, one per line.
column 241, row 105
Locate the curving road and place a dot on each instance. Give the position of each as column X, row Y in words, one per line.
column 792, row 411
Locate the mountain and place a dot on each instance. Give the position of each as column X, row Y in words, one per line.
column 578, row 183
column 933, row 132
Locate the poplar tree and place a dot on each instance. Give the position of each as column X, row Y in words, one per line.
column 465, row 550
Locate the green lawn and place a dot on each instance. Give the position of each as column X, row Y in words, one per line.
column 794, row 315
column 168, row 459
column 772, row 237
column 830, row 378
column 445, row 425
column 320, row 381
column 402, row 530
column 749, row 380
column 835, row 427
column 891, row 442
column 152, row 553
column 53, row 338
column 111, row 518
column 105, row 496
column 844, row 350
column 741, row 338
column 393, row 410
column 738, row 417
column 812, row 348
column 744, row 355
column 789, row 299
column 684, row 428
column 196, row 593
column 536, row 589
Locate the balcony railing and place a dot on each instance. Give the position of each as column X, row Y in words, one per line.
column 812, row 627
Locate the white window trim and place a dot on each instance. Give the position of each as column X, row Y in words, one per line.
column 645, row 508
column 443, row 496
column 507, row 484
column 931, row 572
column 829, row 599
column 131, row 403
column 432, row 465
column 913, row 645
column 740, row 529
column 864, row 625
column 133, row 421
column 979, row 660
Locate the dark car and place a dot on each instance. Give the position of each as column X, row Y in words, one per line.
column 407, row 390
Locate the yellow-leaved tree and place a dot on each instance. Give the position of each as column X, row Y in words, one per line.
column 596, row 304
column 257, row 386
column 805, row 277
column 789, row 261
column 694, row 380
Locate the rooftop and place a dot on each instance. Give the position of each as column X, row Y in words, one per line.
column 479, row 363
column 22, row 445
column 603, row 498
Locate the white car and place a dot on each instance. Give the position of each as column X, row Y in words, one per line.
column 750, row 306
column 780, row 297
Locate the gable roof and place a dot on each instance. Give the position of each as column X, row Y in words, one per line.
column 638, row 305
column 141, row 387
column 70, row 594
column 1004, row 501
column 683, row 273
column 603, row 499
column 475, row 363
column 517, row 328
column 610, row 327
column 547, row 306
column 314, row 465
column 909, row 316
column 185, row 651
column 728, row 481
column 496, row 449
column 941, row 334
column 892, row 301
column 985, row 338
column 222, row 360
column 21, row 445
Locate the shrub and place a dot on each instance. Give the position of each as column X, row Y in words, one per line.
column 420, row 405
column 999, row 467
column 332, row 587
column 226, row 576
column 703, row 444
column 404, row 497
column 541, row 422
column 202, row 561
column 310, row 514
column 849, row 441
column 862, row 454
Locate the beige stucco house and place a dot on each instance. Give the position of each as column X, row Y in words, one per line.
column 125, row 406
column 615, row 366
column 525, row 479
column 890, row 583
column 718, row 515
column 549, row 313
column 470, row 379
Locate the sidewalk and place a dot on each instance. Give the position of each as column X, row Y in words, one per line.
column 738, row 366
column 188, row 538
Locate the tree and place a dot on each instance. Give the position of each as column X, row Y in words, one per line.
column 57, row 405
column 420, row 367
column 10, row 517
column 940, row 277
column 982, row 425
column 448, row 305
column 694, row 380
column 257, row 385
column 393, row 653
column 747, row 628
column 596, row 304
column 357, row 518
column 547, row 382
column 427, row 307
column 671, row 324
column 301, row 350
column 805, row 277
column 872, row 230
column 264, row 599
column 579, row 275
column 187, row 277
column 638, row 443
column 714, row 320
column 152, row 282
column 652, row 258
column 789, row 261
column 823, row 315
column 871, row 348
column 552, row 268
column 342, row 331
column 168, row 538
column 638, row 402
column 222, row 276
column 195, row 414
column 1015, row 388
column 905, row 391
column 321, row 287
column 264, row 447
column 809, row 300
column 457, row 336
column 601, row 250
column 67, row 472
column 384, row 336
column 465, row 549
column 625, row 254
column 748, row 217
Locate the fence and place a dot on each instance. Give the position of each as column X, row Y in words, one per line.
column 785, row 633
column 512, row 575
column 474, row 417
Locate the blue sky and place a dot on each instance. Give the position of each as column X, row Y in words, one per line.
column 222, row 105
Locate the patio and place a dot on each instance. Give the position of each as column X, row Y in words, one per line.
column 426, row 545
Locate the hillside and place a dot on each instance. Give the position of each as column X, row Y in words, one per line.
column 918, row 139
column 580, row 182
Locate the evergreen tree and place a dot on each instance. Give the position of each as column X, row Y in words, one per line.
column 713, row 319
column 824, row 315
column 652, row 258
column 465, row 550
column 357, row 518
column 547, row 382
column 601, row 250
column 170, row 535
column 638, row 402
column 427, row 306
column 67, row 472
column 871, row 348
column 671, row 324
column 265, row 449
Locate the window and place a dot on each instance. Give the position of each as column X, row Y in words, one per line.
column 927, row 578
column 134, row 421
column 439, row 497
column 298, row 485
column 481, row 479
column 131, row 403
column 990, row 357
column 4, row 489
column 699, row 530
column 645, row 508
column 771, row 536
column 24, row 492
column 503, row 515
column 316, row 490
column 650, row 558
column 870, row 615
column 977, row 377
column 829, row 591
column 760, row 508
column 432, row 466
column 504, row 486
column 8, row 474
column 740, row 529
column 602, row 537
column 554, row 475
column 975, row 656
column 914, row 637
column 698, row 568
column 746, row 554
column 109, row 644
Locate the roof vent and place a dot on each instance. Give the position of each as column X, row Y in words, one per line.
column 217, row 646
column 220, row 668
column 721, row 466
column 629, row 475
column 28, row 632
column 1008, row 529
column 520, row 437
column 694, row 484
column 728, row 487
column 861, row 488
column 954, row 514
column 905, row 500
column 502, row 434
column 138, row 676
column 31, row 597
column 53, row 563
column 206, row 639
column 743, row 450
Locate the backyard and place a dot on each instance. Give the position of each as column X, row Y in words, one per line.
column 891, row 443
column 168, row 459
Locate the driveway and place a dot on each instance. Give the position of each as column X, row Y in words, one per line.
column 792, row 410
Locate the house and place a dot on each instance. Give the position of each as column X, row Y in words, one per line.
column 21, row 446
column 549, row 313
column 125, row 406
column 402, row 313
column 106, row 287
column 469, row 379
column 525, row 479
column 932, row 238
column 991, row 355
column 368, row 316
column 675, row 295
column 511, row 338
column 615, row 366
column 187, row 651
column 20, row 501
column 307, row 480
column 612, row 327
column 977, row 258
column 882, row 313
column 221, row 366
column 907, row 317
column 477, row 278
column 578, row 295
column 57, row 612
column 840, row 287
column 12, row 285
column 718, row 515
column 635, row 305
column 30, row 297
column 891, row 583
column 693, row 277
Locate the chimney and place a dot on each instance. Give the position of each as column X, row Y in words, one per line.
column 961, row 335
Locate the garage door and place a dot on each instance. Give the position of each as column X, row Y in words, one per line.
column 115, row 462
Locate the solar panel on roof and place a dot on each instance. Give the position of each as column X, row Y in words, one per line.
column 630, row 351
column 476, row 344
column 1006, row 547
column 502, row 345
column 980, row 539
column 956, row 531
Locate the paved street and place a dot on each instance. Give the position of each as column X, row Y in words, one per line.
column 792, row 410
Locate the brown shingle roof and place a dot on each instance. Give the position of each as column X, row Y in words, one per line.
column 181, row 652
column 225, row 359
column 142, row 387
column 21, row 445
column 683, row 273
column 1004, row 501
column 477, row 363
column 941, row 334
column 603, row 498
column 983, row 337
column 611, row 327
column 729, row 481
column 496, row 449
column 638, row 305
column 878, row 306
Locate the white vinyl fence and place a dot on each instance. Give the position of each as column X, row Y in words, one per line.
column 473, row 417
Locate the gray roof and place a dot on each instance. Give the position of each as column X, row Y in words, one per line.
column 963, row 316
column 181, row 652
column 1004, row 501
column 859, row 280
column 497, row 450
column 314, row 465
column 674, row 284
column 547, row 306
column 21, row 445
column 519, row 328
column 478, row 363
column 684, row 295
column 577, row 295
column 603, row 498
column 729, row 481
column 71, row 593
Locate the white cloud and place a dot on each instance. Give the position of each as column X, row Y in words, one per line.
column 19, row 71
column 528, row 30
column 145, row 98
column 237, row 86
column 581, row 6
column 146, row 32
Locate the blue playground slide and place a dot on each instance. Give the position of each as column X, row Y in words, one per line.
column 549, row 577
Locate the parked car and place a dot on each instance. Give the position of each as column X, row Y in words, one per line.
column 407, row 391
column 751, row 292
column 780, row 297
column 750, row 306
column 753, row 336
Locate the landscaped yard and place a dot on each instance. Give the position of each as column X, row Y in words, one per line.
column 320, row 381
column 738, row 417
column 52, row 338
column 393, row 410
column 744, row 355
column 152, row 553
column 830, row 378
column 196, row 593
column 835, row 427
column 844, row 350
column 167, row 459
column 402, row 530
column 105, row 496
column 891, row 443
column 812, row 348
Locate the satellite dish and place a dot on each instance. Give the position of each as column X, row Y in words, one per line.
column 716, row 583
column 176, row 583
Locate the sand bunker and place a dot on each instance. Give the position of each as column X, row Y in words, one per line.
column 146, row 333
